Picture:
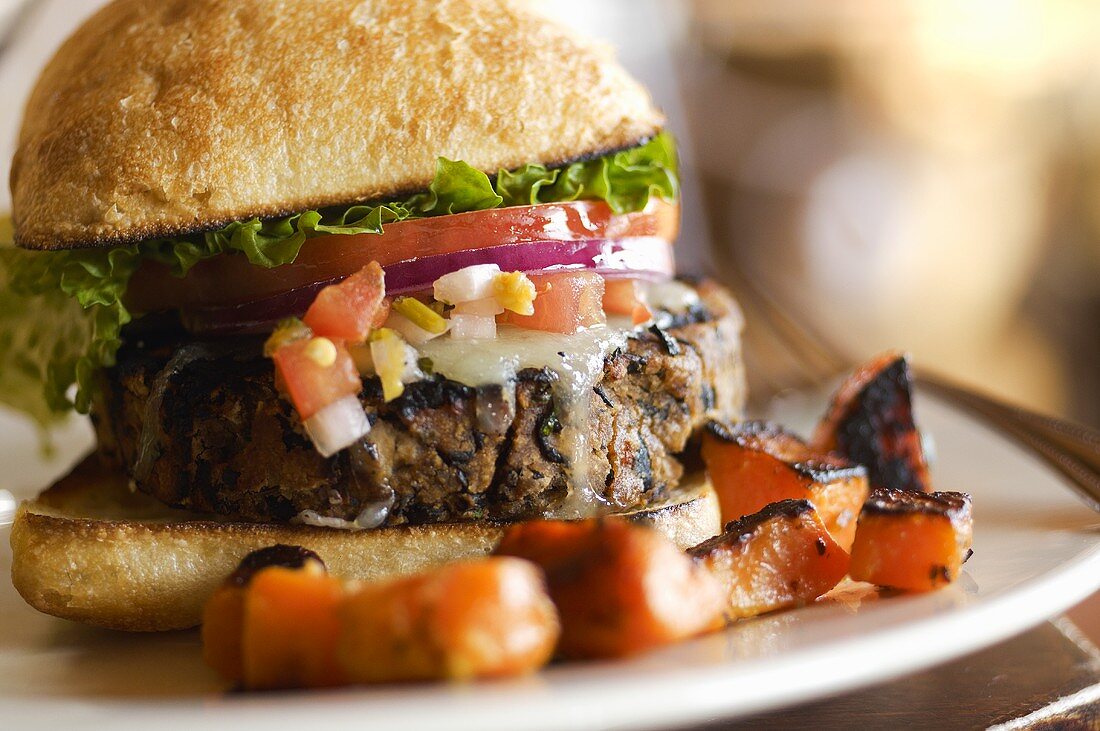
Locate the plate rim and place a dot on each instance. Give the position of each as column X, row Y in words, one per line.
column 959, row 632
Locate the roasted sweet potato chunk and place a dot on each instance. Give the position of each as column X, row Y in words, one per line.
column 620, row 588
column 223, row 615
column 870, row 421
column 222, row 626
column 780, row 557
column 471, row 619
column 291, row 629
column 754, row 464
column 270, row 626
column 912, row 541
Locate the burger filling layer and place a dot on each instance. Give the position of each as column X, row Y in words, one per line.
column 490, row 348
column 491, row 429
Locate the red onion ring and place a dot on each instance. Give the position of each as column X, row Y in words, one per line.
column 643, row 257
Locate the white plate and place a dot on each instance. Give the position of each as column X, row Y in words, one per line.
column 1037, row 552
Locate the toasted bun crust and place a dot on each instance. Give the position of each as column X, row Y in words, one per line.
column 89, row 550
column 162, row 117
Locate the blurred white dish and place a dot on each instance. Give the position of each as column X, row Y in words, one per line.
column 1037, row 552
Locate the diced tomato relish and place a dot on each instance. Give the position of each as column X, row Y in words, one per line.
column 622, row 297
column 351, row 309
column 565, row 303
column 312, row 383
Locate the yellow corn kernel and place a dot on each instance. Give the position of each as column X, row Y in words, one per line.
column 321, row 351
column 516, row 292
column 420, row 315
column 387, row 349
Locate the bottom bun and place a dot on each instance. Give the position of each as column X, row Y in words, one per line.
column 90, row 550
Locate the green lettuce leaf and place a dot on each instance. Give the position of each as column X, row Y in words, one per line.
column 61, row 318
column 625, row 180
column 62, row 312
column 457, row 188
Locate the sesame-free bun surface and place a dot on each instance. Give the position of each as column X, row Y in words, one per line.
column 91, row 551
column 161, row 117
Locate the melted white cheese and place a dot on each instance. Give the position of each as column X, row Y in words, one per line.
column 577, row 361
column 671, row 296
column 482, row 362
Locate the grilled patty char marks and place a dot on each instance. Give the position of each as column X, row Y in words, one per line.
column 222, row 440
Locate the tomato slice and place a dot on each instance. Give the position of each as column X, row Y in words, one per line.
column 311, row 381
column 565, row 303
column 232, row 280
column 351, row 309
column 621, row 297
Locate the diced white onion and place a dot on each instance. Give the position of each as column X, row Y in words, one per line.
column 406, row 328
column 488, row 307
column 471, row 327
column 338, row 426
column 468, row 284
column 412, row 370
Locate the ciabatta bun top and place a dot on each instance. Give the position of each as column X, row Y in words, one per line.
column 163, row 117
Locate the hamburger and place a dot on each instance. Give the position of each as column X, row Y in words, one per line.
column 375, row 279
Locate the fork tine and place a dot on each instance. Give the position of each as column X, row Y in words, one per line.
column 780, row 353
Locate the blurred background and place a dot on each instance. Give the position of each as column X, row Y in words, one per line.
column 922, row 174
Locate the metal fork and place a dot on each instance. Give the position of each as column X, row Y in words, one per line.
column 795, row 356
